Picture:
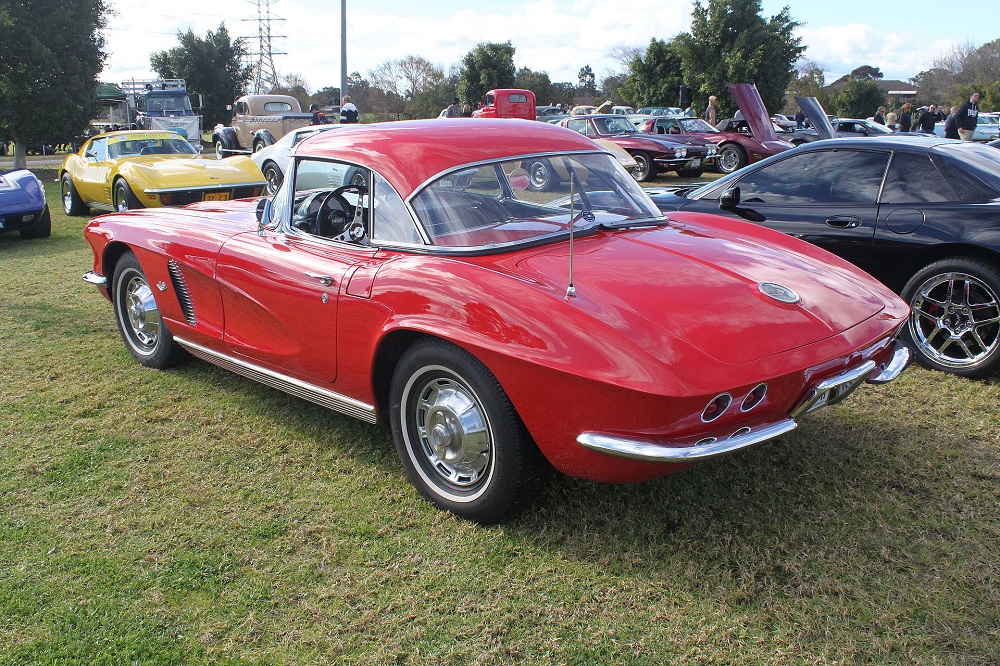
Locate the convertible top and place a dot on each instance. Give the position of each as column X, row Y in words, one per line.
column 410, row 153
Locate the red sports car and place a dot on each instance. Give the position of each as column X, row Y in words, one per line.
column 495, row 326
column 735, row 149
column 687, row 155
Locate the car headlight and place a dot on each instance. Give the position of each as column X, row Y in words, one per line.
column 680, row 152
column 712, row 150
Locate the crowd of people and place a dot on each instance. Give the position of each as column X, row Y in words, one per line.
column 960, row 123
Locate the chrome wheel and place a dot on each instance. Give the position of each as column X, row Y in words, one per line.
column 539, row 175
column 220, row 150
column 273, row 177
column 454, row 444
column 121, row 196
column 67, row 195
column 955, row 320
column 139, row 314
column 731, row 157
column 644, row 168
column 457, row 434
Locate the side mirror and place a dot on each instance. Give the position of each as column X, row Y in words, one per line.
column 263, row 213
column 91, row 155
column 730, row 199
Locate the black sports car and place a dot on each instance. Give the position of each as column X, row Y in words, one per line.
column 921, row 214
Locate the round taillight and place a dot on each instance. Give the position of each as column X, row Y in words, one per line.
column 716, row 408
column 754, row 398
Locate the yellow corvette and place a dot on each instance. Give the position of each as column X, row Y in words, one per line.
column 142, row 169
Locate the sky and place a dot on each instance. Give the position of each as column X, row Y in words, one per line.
column 554, row 36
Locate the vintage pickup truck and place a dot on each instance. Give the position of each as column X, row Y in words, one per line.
column 258, row 121
column 507, row 103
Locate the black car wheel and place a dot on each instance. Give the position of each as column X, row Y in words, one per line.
column 42, row 227
column 457, row 434
column 138, row 316
column 124, row 199
column 273, row 176
column 954, row 323
column 732, row 156
column 72, row 203
column 645, row 169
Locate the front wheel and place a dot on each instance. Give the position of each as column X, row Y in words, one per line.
column 731, row 157
column 541, row 177
column 42, row 227
column 72, row 203
column 954, row 322
column 458, row 436
column 220, row 150
column 138, row 317
column 645, row 168
column 124, row 199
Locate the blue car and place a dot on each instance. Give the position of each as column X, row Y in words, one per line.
column 22, row 205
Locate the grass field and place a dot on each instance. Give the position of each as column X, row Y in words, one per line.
column 194, row 517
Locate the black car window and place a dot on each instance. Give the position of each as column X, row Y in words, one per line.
column 971, row 172
column 821, row 176
column 913, row 178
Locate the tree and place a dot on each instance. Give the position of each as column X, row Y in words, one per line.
column 808, row 80
column 731, row 42
column 611, row 86
column 655, row 78
column 487, row 66
column 406, row 77
column 51, row 52
column 537, row 82
column 859, row 98
column 295, row 86
column 587, row 82
column 211, row 66
column 866, row 73
column 434, row 97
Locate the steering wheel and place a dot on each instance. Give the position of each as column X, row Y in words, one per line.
column 337, row 220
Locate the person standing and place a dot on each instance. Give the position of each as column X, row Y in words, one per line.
column 891, row 120
column 905, row 118
column 800, row 120
column 348, row 112
column 880, row 116
column 454, row 109
column 967, row 116
column 951, row 125
column 711, row 114
column 318, row 118
column 925, row 123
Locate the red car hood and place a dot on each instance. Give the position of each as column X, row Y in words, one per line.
column 701, row 285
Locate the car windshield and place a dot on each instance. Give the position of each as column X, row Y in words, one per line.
column 695, row 125
column 615, row 126
column 161, row 103
column 151, row 144
column 504, row 202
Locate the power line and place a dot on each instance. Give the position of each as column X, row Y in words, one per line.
column 265, row 75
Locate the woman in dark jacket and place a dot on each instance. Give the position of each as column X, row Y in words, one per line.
column 905, row 118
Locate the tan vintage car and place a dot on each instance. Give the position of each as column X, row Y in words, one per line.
column 258, row 121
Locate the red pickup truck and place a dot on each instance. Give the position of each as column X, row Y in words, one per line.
column 507, row 103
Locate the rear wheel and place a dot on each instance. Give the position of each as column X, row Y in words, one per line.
column 124, row 199
column 72, row 203
column 954, row 323
column 540, row 175
column 138, row 317
column 458, row 436
column 220, row 150
column 732, row 156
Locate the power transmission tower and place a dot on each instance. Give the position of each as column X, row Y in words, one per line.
column 265, row 77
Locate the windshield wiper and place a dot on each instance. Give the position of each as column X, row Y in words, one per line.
column 635, row 224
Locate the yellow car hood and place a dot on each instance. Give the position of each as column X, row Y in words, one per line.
column 160, row 171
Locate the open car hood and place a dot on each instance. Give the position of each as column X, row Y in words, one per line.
column 817, row 116
column 754, row 111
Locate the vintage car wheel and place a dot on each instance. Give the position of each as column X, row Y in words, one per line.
column 732, row 156
column 138, row 317
column 540, row 175
column 42, row 227
column 220, row 150
column 273, row 176
column 645, row 169
column 258, row 146
column 954, row 323
column 72, row 203
column 124, row 199
column 457, row 434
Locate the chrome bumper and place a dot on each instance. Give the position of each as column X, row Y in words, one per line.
column 95, row 279
column 828, row 392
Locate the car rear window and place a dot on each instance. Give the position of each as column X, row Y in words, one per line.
column 913, row 178
column 971, row 170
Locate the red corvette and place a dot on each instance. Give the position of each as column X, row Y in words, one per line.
column 407, row 272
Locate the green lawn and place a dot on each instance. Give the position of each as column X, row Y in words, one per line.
column 191, row 516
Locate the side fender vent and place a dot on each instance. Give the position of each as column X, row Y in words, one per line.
column 181, row 289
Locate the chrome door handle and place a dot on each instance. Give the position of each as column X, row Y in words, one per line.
column 844, row 221
column 325, row 279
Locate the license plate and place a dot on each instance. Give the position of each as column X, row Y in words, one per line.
column 216, row 196
column 694, row 164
